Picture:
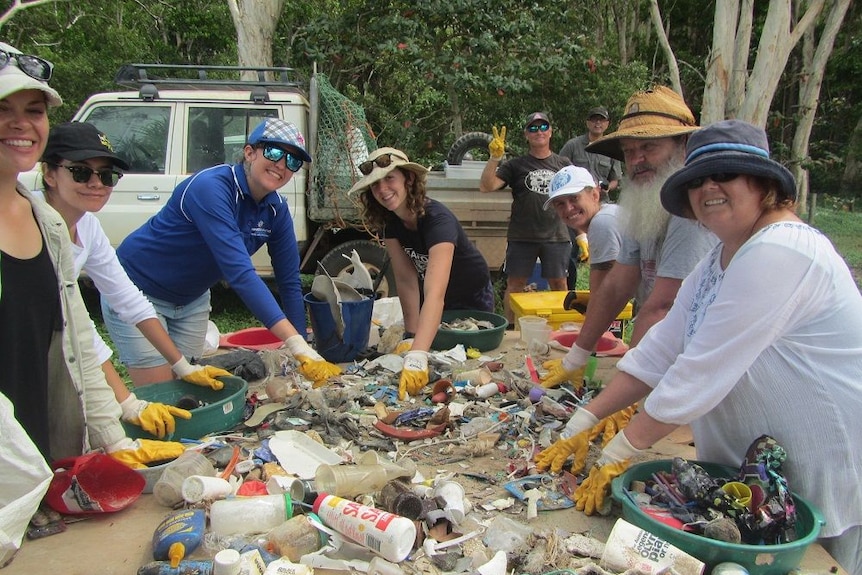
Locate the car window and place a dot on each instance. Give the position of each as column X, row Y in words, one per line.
column 217, row 135
column 139, row 134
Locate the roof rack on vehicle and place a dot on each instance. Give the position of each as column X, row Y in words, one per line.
column 148, row 77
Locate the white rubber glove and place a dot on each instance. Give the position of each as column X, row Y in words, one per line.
column 581, row 420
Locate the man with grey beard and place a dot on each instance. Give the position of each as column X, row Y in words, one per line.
column 658, row 250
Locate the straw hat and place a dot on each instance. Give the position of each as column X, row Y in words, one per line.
column 397, row 159
column 655, row 113
column 730, row 147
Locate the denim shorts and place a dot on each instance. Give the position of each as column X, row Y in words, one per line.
column 186, row 324
column 521, row 258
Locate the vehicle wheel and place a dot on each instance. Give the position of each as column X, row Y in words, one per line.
column 374, row 257
column 465, row 143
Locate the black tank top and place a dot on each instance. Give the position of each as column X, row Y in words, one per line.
column 29, row 314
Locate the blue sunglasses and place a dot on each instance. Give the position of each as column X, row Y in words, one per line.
column 275, row 154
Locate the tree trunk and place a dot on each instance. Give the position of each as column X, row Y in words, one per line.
column 815, row 55
column 255, row 22
column 741, row 51
column 673, row 67
column 851, row 179
column 776, row 42
column 721, row 62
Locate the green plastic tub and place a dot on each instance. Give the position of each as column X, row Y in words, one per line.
column 757, row 559
column 223, row 409
column 483, row 340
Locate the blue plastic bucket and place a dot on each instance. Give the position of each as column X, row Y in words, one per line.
column 357, row 325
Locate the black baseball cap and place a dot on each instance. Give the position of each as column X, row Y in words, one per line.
column 599, row 111
column 78, row 141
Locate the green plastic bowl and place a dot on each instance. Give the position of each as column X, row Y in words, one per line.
column 222, row 411
column 483, row 340
column 757, row 559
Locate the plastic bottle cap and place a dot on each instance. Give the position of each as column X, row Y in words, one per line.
column 176, row 553
column 288, row 505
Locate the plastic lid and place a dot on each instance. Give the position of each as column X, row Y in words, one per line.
column 288, row 506
column 176, row 552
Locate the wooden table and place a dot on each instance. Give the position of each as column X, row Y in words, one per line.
column 119, row 543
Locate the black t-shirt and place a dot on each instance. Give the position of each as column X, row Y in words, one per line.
column 469, row 274
column 29, row 315
column 530, row 180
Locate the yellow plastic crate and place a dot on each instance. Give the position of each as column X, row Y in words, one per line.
column 549, row 304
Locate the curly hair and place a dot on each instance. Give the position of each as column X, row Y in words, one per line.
column 374, row 215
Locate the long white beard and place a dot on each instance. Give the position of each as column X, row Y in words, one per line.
column 641, row 215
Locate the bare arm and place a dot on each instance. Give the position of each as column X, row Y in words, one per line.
column 618, row 287
column 436, row 283
column 656, row 306
column 489, row 182
column 121, row 392
column 598, row 273
column 406, row 282
column 156, row 335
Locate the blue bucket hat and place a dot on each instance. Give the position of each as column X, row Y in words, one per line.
column 730, row 146
column 281, row 133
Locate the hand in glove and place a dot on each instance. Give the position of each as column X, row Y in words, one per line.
column 404, row 346
column 575, row 440
column 414, row 374
column 570, row 368
column 497, row 146
column 610, row 426
column 591, row 493
column 311, row 365
column 583, row 247
column 138, row 453
column 202, row 375
column 154, row 418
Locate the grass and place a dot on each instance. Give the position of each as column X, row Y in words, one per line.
column 229, row 314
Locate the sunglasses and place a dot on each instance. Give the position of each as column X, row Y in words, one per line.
column 33, row 66
column 538, row 128
column 382, row 161
column 718, row 178
column 82, row 174
column 275, row 154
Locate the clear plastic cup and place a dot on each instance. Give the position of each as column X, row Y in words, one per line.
column 168, row 490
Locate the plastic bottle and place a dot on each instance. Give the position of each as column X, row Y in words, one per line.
column 184, row 568
column 178, row 534
column 249, row 514
column 388, row 535
column 295, row 537
column 168, row 490
column 352, row 480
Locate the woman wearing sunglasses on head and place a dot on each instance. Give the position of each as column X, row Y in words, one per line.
column 52, row 391
column 211, row 225
column 76, row 152
column 436, row 266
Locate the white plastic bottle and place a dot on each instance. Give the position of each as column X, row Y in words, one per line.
column 243, row 515
column 390, row 536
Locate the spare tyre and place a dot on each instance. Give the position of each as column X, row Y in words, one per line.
column 467, row 142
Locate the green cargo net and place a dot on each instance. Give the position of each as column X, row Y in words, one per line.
column 344, row 140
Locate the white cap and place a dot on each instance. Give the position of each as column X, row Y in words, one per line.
column 13, row 80
column 569, row 181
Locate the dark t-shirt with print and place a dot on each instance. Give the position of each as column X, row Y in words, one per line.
column 469, row 274
column 530, row 179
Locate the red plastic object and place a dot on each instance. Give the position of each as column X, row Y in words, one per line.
column 609, row 345
column 256, row 338
column 92, row 483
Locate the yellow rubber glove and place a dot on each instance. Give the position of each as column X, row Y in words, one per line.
column 414, row 374
column 404, row 346
column 311, row 364
column 591, row 493
column 583, row 247
column 610, row 426
column 497, row 146
column 555, row 456
column 138, row 453
column 557, row 374
column 154, row 418
column 570, row 368
column 202, row 375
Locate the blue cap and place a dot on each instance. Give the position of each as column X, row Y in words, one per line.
column 281, row 133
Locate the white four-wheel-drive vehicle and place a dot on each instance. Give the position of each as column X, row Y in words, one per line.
column 174, row 120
